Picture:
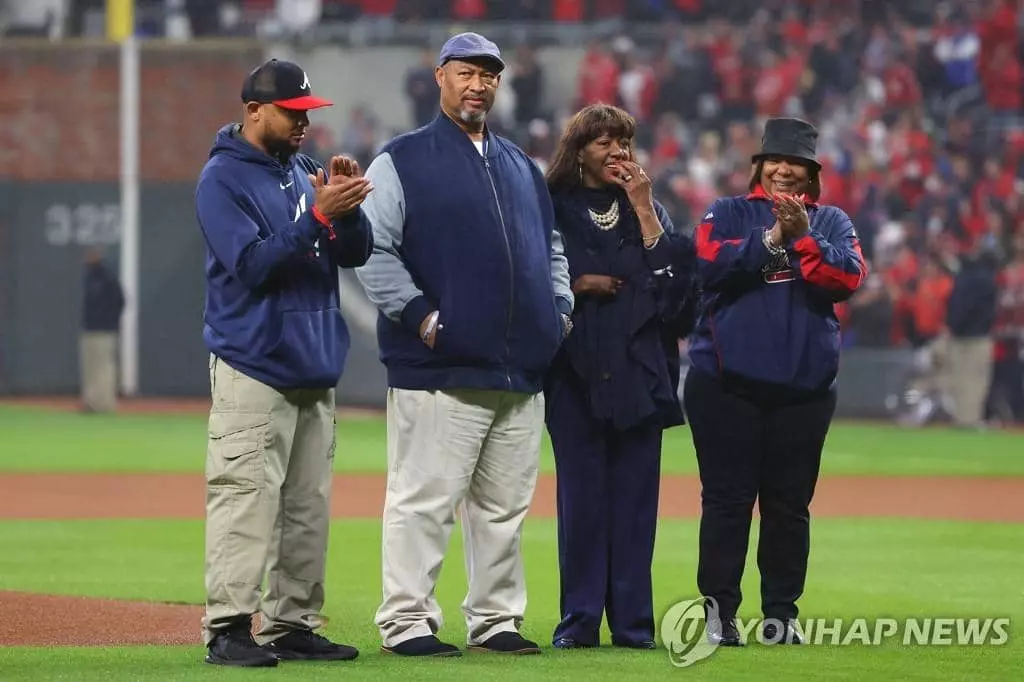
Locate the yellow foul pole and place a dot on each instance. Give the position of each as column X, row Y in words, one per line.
column 120, row 19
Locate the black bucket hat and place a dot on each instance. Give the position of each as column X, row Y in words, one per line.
column 791, row 138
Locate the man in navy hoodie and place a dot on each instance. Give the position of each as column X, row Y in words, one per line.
column 473, row 291
column 276, row 230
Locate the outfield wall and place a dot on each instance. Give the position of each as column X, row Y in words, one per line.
column 43, row 228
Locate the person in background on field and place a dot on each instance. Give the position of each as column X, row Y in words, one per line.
column 970, row 319
column 102, row 305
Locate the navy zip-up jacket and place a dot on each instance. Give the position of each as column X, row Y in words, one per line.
column 272, row 295
column 766, row 319
column 469, row 233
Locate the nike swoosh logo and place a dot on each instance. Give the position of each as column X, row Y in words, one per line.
column 284, row 186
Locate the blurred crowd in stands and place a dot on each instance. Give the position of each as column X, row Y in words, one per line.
column 922, row 133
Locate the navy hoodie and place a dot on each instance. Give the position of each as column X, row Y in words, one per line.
column 272, row 299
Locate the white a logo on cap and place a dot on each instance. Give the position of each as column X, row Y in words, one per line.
column 305, row 81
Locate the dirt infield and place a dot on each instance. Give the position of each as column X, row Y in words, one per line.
column 106, row 496
column 50, row 620
column 53, row 620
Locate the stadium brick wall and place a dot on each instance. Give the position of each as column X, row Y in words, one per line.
column 60, row 108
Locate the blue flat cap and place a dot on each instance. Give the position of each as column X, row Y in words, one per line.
column 471, row 46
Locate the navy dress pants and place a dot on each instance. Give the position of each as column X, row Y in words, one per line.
column 755, row 444
column 608, row 485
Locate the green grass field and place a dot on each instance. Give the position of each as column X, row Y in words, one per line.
column 859, row 568
column 36, row 440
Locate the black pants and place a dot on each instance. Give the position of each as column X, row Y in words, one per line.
column 608, row 485
column 755, row 444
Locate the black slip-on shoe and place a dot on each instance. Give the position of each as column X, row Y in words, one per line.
column 427, row 645
column 507, row 643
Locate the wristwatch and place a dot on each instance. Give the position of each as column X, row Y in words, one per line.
column 567, row 321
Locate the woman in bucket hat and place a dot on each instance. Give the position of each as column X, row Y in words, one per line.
column 761, row 391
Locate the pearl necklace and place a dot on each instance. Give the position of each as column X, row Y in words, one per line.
column 607, row 220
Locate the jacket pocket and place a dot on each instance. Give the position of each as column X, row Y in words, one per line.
column 442, row 336
column 236, row 449
column 537, row 332
column 467, row 342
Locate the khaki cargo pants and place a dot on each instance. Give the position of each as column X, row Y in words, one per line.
column 268, row 482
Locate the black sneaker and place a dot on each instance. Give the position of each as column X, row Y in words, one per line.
column 507, row 643
column 235, row 646
column 427, row 645
column 306, row 645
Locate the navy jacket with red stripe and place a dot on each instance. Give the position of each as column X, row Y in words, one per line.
column 771, row 319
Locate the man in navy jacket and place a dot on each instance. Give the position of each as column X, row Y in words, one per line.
column 276, row 230
column 473, row 291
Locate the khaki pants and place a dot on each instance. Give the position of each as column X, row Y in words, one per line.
column 477, row 448
column 268, row 484
column 970, row 373
column 98, row 361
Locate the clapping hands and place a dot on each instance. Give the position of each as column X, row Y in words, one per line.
column 791, row 215
column 344, row 191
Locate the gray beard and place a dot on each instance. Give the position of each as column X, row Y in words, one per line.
column 472, row 116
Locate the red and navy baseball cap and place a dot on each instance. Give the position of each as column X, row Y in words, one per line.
column 282, row 83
